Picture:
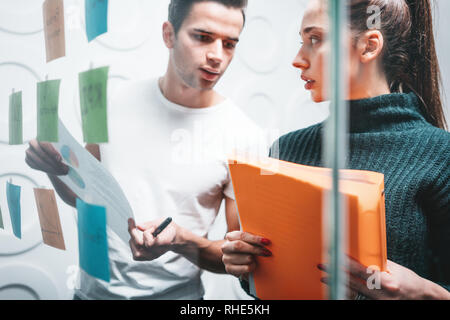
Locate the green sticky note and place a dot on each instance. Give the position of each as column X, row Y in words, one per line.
column 15, row 119
column 47, row 110
column 93, row 85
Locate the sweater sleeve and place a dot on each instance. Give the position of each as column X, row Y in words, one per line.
column 437, row 207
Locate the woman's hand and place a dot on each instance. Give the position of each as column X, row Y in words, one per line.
column 240, row 250
column 398, row 283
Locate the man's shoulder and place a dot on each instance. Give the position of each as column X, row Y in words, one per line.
column 125, row 87
column 237, row 117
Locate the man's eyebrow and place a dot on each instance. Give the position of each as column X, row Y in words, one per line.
column 212, row 34
column 310, row 29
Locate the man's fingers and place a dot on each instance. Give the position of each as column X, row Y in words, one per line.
column 49, row 163
column 131, row 225
column 247, row 237
column 35, row 162
column 137, row 255
column 136, row 236
column 149, row 240
column 48, row 149
column 147, row 225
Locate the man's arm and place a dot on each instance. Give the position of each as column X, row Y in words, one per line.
column 204, row 253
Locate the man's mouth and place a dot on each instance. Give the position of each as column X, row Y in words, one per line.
column 210, row 74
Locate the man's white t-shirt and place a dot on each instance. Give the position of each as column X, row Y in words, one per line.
column 170, row 161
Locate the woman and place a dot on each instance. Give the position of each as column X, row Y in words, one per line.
column 396, row 128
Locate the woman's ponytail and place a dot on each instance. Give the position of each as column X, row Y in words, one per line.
column 409, row 59
column 424, row 73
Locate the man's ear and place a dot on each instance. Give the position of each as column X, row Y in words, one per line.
column 370, row 46
column 168, row 34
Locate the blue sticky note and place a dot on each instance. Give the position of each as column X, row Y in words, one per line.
column 92, row 241
column 13, row 198
column 1, row 219
column 96, row 18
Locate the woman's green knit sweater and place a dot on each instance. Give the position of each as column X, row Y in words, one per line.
column 389, row 134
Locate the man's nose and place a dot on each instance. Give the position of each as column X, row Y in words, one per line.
column 215, row 52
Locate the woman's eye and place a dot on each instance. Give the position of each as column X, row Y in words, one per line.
column 314, row 40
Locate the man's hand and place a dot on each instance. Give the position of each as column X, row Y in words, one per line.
column 43, row 157
column 144, row 246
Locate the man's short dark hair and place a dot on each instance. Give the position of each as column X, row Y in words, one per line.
column 179, row 9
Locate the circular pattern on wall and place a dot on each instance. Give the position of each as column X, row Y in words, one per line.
column 21, row 78
column 260, row 47
column 21, row 17
column 26, row 282
column 302, row 112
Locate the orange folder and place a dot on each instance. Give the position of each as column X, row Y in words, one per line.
column 283, row 202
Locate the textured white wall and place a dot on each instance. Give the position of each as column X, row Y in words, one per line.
column 260, row 79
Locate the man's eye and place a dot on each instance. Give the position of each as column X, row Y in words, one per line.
column 230, row 45
column 202, row 37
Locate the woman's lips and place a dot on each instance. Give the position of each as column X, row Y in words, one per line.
column 309, row 84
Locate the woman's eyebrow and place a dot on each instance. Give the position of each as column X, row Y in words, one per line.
column 309, row 30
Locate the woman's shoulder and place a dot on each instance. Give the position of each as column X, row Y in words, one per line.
column 299, row 139
column 433, row 137
column 313, row 132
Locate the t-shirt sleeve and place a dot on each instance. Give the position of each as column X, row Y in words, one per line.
column 228, row 190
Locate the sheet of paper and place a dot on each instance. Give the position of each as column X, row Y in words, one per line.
column 47, row 110
column 96, row 18
column 93, row 86
column 15, row 119
column 1, row 219
column 92, row 240
column 55, row 42
column 49, row 218
column 89, row 179
column 13, row 197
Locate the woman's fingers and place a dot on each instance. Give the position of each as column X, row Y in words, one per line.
column 238, row 259
column 230, row 247
column 239, row 270
column 247, row 237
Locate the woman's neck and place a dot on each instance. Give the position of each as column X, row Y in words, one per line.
column 369, row 86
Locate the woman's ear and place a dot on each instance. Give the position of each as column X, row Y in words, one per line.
column 370, row 46
column 168, row 34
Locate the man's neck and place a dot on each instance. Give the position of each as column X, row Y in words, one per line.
column 185, row 96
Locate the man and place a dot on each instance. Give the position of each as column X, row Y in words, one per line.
column 172, row 162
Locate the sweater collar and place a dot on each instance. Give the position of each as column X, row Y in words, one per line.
column 391, row 112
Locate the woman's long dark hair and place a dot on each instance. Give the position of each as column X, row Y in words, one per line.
column 409, row 58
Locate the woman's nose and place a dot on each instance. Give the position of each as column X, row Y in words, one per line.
column 300, row 61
